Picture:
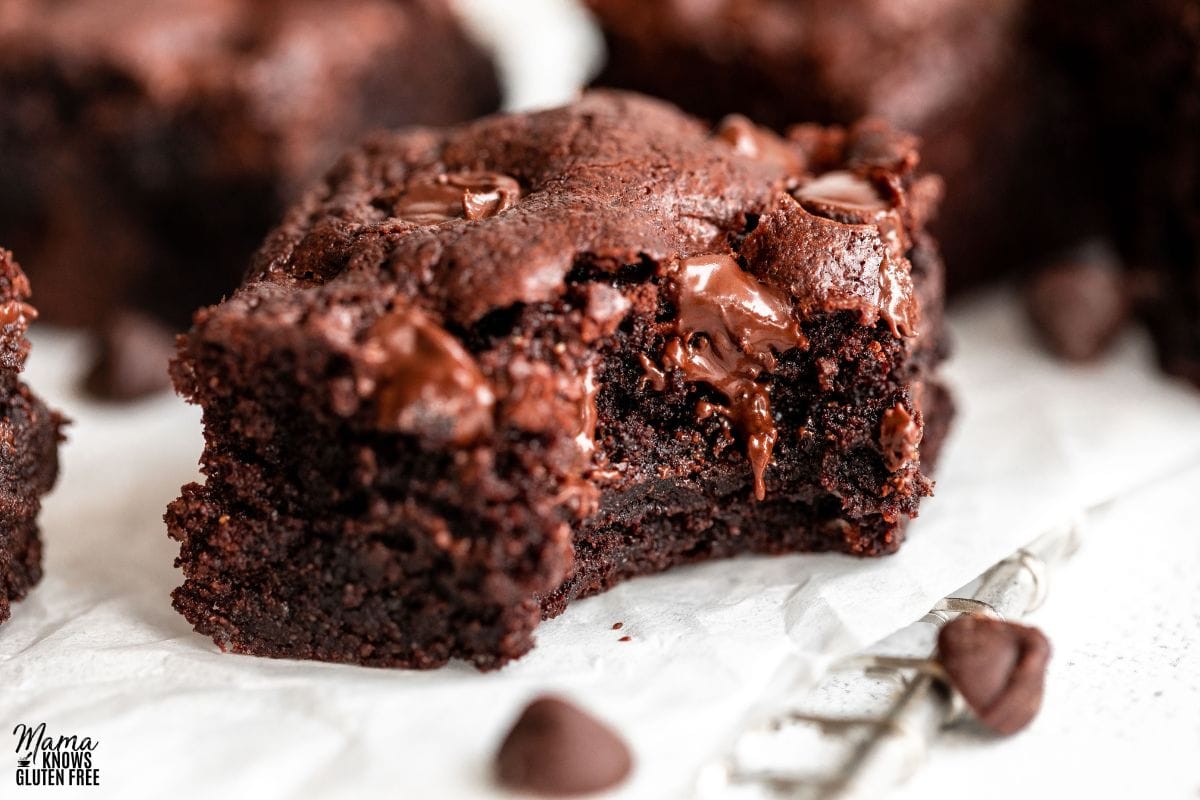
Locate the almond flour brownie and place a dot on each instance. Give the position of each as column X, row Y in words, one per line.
column 147, row 146
column 29, row 437
column 481, row 371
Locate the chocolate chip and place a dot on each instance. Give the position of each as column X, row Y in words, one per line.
column 557, row 750
column 132, row 363
column 1080, row 304
column 998, row 667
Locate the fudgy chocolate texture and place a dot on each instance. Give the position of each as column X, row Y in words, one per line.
column 29, row 437
column 479, row 372
column 147, row 146
column 1134, row 68
column 956, row 73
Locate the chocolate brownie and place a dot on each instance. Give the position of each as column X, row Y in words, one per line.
column 957, row 73
column 147, row 146
column 1134, row 67
column 29, row 437
column 481, row 371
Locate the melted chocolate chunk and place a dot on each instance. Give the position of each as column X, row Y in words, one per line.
column 586, row 438
column 834, row 265
column 424, row 382
column 729, row 327
column 840, row 194
column 557, row 750
column 466, row 195
column 899, row 438
column 998, row 667
column 759, row 143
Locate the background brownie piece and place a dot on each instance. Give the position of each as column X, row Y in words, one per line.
column 479, row 372
column 957, row 73
column 29, row 437
column 148, row 145
column 1134, row 68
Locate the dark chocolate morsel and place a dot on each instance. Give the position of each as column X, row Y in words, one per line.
column 424, row 382
column 466, row 195
column 998, row 667
column 557, row 750
column 135, row 350
column 1080, row 304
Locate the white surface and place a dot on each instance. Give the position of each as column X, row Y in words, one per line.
column 96, row 649
column 1122, row 711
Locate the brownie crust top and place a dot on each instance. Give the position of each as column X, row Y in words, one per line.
column 498, row 212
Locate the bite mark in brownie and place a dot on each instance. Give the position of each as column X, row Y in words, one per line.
column 481, row 371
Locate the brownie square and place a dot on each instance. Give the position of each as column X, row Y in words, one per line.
column 481, row 371
column 147, row 146
column 29, row 437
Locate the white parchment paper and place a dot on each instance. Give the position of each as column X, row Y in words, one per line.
column 97, row 651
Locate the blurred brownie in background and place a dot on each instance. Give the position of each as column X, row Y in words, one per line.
column 29, row 437
column 951, row 71
column 146, row 146
column 1134, row 67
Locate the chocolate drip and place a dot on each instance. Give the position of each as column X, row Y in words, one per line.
column 467, row 195
column 424, row 382
column 729, row 328
column 653, row 375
